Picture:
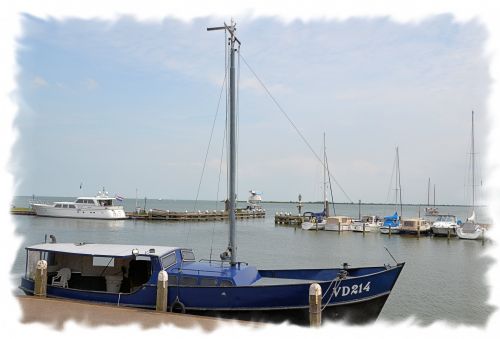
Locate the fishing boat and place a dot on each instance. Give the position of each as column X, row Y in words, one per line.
column 101, row 206
column 392, row 223
column 445, row 224
column 368, row 223
column 414, row 226
column 127, row 275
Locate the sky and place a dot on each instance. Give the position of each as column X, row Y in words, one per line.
column 129, row 104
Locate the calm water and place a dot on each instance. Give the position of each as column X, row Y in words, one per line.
column 442, row 280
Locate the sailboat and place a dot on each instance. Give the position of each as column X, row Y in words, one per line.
column 431, row 211
column 317, row 221
column 129, row 274
column 392, row 223
column 470, row 229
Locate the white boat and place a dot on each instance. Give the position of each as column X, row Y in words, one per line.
column 368, row 223
column 338, row 223
column 431, row 211
column 444, row 224
column 470, row 229
column 313, row 225
column 318, row 221
column 392, row 223
column 414, row 226
column 254, row 201
column 99, row 207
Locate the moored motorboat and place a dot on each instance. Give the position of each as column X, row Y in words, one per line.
column 414, row 226
column 338, row 223
column 369, row 223
column 391, row 224
column 99, row 207
column 445, row 224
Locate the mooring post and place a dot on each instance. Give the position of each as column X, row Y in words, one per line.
column 418, row 231
column 449, row 234
column 315, row 296
column 363, row 229
column 390, row 231
column 162, row 291
column 41, row 279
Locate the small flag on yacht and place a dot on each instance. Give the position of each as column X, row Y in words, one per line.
column 119, row 198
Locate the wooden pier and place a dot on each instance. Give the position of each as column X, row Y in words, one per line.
column 288, row 219
column 195, row 216
column 155, row 214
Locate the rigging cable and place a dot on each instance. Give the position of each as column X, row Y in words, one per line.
column 292, row 123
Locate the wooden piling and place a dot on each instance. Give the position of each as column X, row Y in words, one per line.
column 162, row 291
column 449, row 234
column 418, row 231
column 41, row 279
column 363, row 229
column 390, row 228
column 315, row 295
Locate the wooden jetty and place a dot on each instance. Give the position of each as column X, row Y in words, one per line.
column 156, row 214
column 288, row 219
column 206, row 215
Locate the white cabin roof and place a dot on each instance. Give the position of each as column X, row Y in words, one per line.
column 110, row 250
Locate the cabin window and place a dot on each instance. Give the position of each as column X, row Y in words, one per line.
column 58, row 205
column 226, row 283
column 187, row 255
column 168, row 260
column 72, row 206
column 172, row 280
column 208, row 282
column 103, row 261
column 188, row 281
column 79, row 201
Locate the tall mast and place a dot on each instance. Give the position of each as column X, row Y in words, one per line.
column 231, row 248
column 399, row 182
column 473, row 166
column 325, row 201
column 428, row 191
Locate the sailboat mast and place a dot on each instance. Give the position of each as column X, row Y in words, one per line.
column 428, row 191
column 473, row 166
column 325, row 201
column 231, row 249
column 399, row 183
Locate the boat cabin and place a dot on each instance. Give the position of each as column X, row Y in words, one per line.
column 341, row 220
column 446, row 218
column 127, row 268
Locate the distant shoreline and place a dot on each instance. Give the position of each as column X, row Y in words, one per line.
column 29, row 197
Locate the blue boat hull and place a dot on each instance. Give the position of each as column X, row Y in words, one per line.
column 363, row 294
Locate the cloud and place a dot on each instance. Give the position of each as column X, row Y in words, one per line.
column 39, row 82
column 90, row 84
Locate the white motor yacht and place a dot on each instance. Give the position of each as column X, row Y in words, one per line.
column 99, row 207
